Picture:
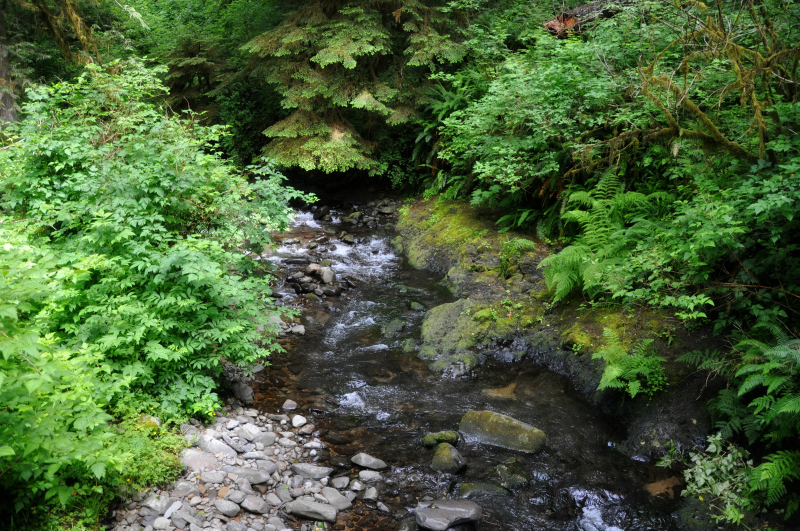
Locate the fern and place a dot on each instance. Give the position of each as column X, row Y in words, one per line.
column 601, row 245
column 637, row 371
column 512, row 250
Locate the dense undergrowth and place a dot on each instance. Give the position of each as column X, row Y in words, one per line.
column 655, row 149
column 124, row 284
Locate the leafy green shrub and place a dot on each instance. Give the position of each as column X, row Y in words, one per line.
column 763, row 404
column 153, row 450
column 122, row 281
column 133, row 193
column 637, row 371
column 600, row 248
column 54, row 437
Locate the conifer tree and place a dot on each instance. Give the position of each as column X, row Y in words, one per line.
column 346, row 70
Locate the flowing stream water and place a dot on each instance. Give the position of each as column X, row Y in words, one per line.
column 365, row 394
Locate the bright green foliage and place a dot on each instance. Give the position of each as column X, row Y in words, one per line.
column 345, row 70
column 512, row 250
column 599, row 249
column 637, row 371
column 121, row 279
column 764, row 406
column 120, row 187
column 153, row 451
column 53, row 428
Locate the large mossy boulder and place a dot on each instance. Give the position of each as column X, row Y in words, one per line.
column 495, row 429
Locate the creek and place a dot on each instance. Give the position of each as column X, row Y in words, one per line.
column 366, row 394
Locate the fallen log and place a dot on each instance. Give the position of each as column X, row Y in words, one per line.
column 573, row 21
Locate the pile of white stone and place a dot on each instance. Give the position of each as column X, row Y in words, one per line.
column 247, row 472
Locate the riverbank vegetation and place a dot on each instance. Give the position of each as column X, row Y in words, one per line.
column 652, row 147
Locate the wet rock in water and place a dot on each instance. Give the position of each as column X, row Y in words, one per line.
column 340, row 462
column 311, row 297
column 310, row 471
column 299, row 421
column 367, row 461
column 288, row 405
column 313, row 510
column 312, row 269
column 475, row 490
column 495, row 429
column 512, row 474
column 340, row 482
column 371, row 494
column 298, row 330
column 369, row 475
column 394, row 327
column 331, row 291
column 348, row 238
column 335, row 498
column 321, row 212
column 409, row 345
column 242, row 392
column 432, row 439
column 417, row 307
column 387, row 210
column 447, row 459
column 327, row 275
column 353, row 218
column 441, row 514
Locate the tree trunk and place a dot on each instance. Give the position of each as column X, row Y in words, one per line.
column 8, row 109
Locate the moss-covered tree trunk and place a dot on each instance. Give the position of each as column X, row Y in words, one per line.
column 8, row 109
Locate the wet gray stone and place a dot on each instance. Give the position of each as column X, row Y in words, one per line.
column 371, row 494
column 253, row 476
column 340, row 482
column 313, row 510
column 367, row 461
column 336, row 499
column 255, row 504
column 369, row 475
column 440, row 514
column 242, row 392
column 228, row 508
column 309, row 471
column 214, row 446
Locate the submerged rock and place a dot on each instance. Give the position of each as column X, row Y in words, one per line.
column 441, row 514
column 512, row 474
column 394, row 327
column 495, row 429
column 472, row 490
column 432, row 439
column 447, row 459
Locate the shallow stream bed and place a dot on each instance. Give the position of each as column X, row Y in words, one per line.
column 365, row 393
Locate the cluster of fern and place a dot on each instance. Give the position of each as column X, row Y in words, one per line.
column 636, row 371
column 763, row 407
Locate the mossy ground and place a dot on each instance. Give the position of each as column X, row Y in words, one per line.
column 504, row 299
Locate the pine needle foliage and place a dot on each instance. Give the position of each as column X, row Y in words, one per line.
column 347, row 70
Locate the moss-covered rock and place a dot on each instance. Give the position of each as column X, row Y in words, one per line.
column 417, row 307
column 393, row 328
column 432, row 439
column 476, row 490
column 447, row 459
column 409, row 345
column 512, row 474
column 495, row 429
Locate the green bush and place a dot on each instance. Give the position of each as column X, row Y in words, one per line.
column 123, row 237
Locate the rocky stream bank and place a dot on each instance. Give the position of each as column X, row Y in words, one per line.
column 428, row 384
